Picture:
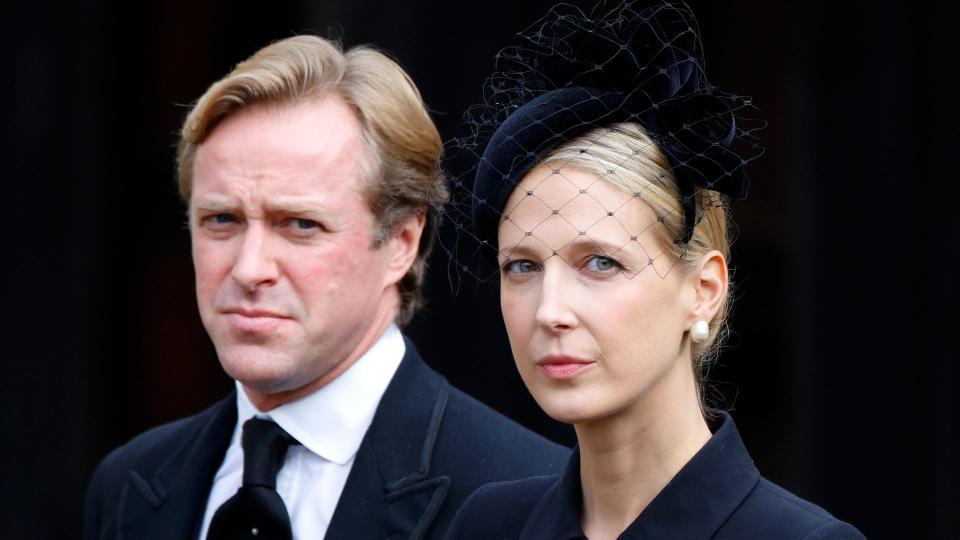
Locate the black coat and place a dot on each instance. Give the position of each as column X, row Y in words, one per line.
column 428, row 448
column 718, row 494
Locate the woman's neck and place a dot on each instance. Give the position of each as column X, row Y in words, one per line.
column 627, row 458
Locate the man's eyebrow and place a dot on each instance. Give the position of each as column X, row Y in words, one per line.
column 296, row 205
column 215, row 202
column 291, row 205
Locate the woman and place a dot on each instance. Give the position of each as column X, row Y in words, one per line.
column 601, row 192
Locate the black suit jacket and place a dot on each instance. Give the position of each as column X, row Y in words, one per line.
column 428, row 448
column 718, row 494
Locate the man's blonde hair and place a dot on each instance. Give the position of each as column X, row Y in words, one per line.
column 402, row 144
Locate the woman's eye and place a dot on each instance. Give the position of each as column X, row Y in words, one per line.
column 520, row 267
column 602, row 263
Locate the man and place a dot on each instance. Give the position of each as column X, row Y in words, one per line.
column 311, row 180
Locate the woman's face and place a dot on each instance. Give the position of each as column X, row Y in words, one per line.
column 593, row 303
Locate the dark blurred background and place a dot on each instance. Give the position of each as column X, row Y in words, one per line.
column 842, row 373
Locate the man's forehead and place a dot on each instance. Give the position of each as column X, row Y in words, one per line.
column 281, row 157
column 319, row 132
column 280, row 201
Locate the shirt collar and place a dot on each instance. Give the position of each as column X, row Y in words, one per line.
column 694, row 504
column 332, row 421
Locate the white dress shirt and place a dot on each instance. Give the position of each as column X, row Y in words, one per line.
column 330, row 424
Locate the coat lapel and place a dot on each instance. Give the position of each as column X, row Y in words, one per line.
column 390, row 492
column 694, row 504
column 168, row 501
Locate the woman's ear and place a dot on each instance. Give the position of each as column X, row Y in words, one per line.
column 711, row 280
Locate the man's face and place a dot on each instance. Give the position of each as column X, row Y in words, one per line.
column 288, row 284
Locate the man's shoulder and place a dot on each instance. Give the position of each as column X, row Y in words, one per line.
column 523, row 494
column 467, row 443
column 478, row 437
column 150, row 449
column 474, row 443
column 139, row 463
column 772, row 511
column 500, row 509
column 481, row 423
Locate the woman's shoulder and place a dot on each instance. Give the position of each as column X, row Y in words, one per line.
column 770, row 511
column 499, row 509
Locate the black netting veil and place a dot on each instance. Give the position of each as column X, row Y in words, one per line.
column 593, row 92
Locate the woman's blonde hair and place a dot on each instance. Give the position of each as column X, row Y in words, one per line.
column 626, row 155
column 402, row 144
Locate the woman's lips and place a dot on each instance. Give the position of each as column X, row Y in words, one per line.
column 563, row 367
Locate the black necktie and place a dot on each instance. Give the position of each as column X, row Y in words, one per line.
column 256, row 511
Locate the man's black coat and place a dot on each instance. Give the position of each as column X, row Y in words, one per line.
column 428, row 448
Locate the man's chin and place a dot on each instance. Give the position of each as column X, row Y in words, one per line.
column 273, row 376
column 264, row 373
column 268, row 385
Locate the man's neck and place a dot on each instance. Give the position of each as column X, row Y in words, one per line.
column 267, row 401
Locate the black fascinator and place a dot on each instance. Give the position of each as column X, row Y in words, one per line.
column 572, row 72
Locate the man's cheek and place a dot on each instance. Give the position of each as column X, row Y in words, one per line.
column 335, row 269
column 205, row 281
column 208, row 281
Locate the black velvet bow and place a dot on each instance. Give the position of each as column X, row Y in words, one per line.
column 571, row 73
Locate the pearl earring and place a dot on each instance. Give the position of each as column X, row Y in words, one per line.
column 699, row 331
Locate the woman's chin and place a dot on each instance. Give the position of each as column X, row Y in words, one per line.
column 570, row 411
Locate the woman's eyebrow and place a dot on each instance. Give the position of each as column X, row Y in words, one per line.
column 520, row 251
column 585, row 242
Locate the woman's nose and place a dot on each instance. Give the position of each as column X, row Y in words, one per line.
column 554, row 313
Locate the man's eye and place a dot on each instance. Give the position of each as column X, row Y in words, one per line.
column 221, row 219
column 305, row 224
column 301, row 226
column 602, row 264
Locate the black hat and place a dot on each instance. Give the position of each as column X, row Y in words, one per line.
column 570, row 73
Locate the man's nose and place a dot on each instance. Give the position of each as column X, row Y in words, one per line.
column 555, row 314
column 256, row 263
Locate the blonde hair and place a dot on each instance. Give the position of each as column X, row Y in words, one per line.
column 625, row 155
column 403, row 147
